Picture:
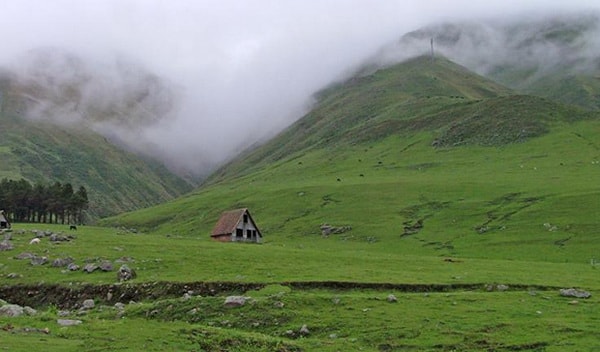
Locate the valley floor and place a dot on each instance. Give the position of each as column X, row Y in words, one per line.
column 298, row 296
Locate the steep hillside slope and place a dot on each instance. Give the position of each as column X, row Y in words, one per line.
column 41, row 151
column 460, row 168
column 417, row 95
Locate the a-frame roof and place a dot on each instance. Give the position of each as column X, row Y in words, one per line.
column 229, row 220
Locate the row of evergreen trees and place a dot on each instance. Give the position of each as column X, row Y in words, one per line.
column 52, row 203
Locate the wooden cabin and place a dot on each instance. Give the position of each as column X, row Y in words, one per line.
column 236, row 226
column 4, row 224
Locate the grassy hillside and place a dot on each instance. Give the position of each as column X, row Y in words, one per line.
column 435, row 174
column 116, row 180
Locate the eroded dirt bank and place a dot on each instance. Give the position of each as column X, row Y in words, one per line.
column 71, row 296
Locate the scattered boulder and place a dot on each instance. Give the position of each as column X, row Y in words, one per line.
column 11, row 310
column 501, row 287
column 59, row 238
column 235, row 301
column 304, row 330
column 68, row 322
column 39, row 260
column 88, row 304
column 573, row 292
column 72, row 267
column 392, row 299
column 13, row 275
column 90, row 268
column 106, row 266
column 6, row 245
column 125, row 273
column 29, row 311
column 62, row 262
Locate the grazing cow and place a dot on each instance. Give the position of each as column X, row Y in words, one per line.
column 35, row 241
column 73, row 228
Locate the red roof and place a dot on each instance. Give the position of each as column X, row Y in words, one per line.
column 229, row 220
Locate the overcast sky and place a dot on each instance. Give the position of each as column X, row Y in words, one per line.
column 246, row 68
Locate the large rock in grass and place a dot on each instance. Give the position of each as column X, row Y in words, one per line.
column 11, row 310
column 235, row 301
column 90, row 268
column 62, row 262
column 6, row 245
column 39, row 260
column 573, row 292
column 125, row 273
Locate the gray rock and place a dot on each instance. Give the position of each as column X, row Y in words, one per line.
column 573, row 292
column 29, row 311
column 6, row 245
column 39, row 260
column 13, row 275
column 62, row 262
column 68, row 322
column 73, row 267
column 90, row 268
column 304, row 330
column 106, row 266
column 125, row 273
column 59, row 238
column 120, row 306
column 392, row 299
column 88, row 304
column 501, row 287
column 235, row 301
column 63, row 313
column 11, row 310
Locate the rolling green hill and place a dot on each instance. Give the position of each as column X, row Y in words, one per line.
column 423, row 158
column 43, row 152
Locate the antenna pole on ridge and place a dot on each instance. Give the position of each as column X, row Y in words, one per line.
column 431, row 49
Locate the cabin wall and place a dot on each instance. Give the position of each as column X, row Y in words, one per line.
column 222, row 238
column 249, row 232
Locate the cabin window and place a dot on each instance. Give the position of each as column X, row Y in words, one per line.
column 245, row 218
column 248, row 233
column 239, row 233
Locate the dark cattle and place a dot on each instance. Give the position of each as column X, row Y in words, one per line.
column 73, row 227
